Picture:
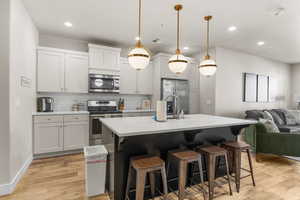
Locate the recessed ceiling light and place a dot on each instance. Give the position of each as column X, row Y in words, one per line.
column 137, row 38
column 68, row 24
column 232, row 28
column 186, row 48
column 260, row 43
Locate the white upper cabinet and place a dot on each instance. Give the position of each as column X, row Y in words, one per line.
column 145, row 80
column 135, row 82
column 128, row 81
column 62, row 71
column 50, row 71
column 76, row 73
column 104, row 58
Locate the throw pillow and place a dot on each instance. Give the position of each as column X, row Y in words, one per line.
column 277, row 119
column 268, row 116
column 269, row 125
column 290, row 118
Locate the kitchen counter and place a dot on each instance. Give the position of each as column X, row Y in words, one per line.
column 138, row 111
column 135, row 126
column 138, row 136
column 61, row 113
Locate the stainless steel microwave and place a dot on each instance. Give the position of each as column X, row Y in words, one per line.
column 104, row 83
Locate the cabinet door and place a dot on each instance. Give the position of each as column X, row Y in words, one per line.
column 76, row 135
column 95, row 58
column 145, row 80
column 111, row 60
column 128, row 79
column 48, row 138
column 50, row 71
column 76, row 73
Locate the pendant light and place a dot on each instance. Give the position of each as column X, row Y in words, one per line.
column 139, row 57
column 178, row 63
column 208, row 66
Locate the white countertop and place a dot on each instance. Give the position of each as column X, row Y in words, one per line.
column 62, row 113
column 133, row 126
column 137, row 111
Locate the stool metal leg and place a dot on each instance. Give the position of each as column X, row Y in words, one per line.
column 140, row 184
column 182, row 178
column 237, row 159
column 128, row 182
column 164, row 180
column 211, row 175
column 228, row 177
column 200, row 169
column 251, row 167
column 152, row 183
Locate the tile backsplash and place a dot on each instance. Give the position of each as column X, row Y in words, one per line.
column 64, row 102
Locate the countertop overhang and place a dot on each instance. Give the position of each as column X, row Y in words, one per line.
column 135, row 126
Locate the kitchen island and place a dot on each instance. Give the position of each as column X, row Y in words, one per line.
column 134, row 136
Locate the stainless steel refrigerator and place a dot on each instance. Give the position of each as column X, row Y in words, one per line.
column 178, row 87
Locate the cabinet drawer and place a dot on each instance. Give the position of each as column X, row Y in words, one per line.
column 48, row 119
column 75, row 118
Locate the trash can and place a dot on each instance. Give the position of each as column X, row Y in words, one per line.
column 95, row 169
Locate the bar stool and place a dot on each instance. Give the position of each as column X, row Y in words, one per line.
column 144, row 165
column 236, row 149
column 211, row 153
column 184, row 157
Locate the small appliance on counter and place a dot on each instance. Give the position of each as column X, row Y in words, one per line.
column 45, row 104
column 146, row 104
column 161, row 111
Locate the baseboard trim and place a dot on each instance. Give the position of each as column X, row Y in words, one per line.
column 8, row 188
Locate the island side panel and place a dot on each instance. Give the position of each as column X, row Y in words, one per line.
column 158, row 144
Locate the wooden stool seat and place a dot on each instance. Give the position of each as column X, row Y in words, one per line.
column 235, row 151
column 147, row 163
column 184, row 157
column 212, row 153
column 213, row 150
column 237, row 145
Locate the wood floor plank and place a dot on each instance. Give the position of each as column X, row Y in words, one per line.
column 62, row 178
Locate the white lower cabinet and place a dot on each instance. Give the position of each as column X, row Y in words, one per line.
column 75, row 135
column 60, row 133
column 48, row 137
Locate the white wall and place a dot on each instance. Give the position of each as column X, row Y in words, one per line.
column 229, row 82
column 62, row 43
column 4, row 94
column 23, row 42
column 295, row 85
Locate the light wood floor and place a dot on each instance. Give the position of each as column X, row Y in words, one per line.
column 62, row 178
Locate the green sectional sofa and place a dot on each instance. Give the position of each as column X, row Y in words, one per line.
column 283, row 143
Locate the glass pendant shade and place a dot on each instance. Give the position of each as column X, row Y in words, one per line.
column 138, row 58
column 178, row 63
column 208, row 67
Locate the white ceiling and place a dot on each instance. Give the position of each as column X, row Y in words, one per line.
column 114, row 22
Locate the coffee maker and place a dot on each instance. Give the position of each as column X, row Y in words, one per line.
column 45, row 104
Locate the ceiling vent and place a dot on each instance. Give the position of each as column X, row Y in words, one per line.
column 278, row 11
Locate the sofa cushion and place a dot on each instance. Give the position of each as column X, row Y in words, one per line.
column 277, row 119
column 289, row 129
column 269, row 125
column 290, row 118
column 254, row 114
column 281, row 114
column 268, row 115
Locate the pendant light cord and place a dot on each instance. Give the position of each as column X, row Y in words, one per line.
column 177, row 31
column 207, row 44
column 140, row 16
